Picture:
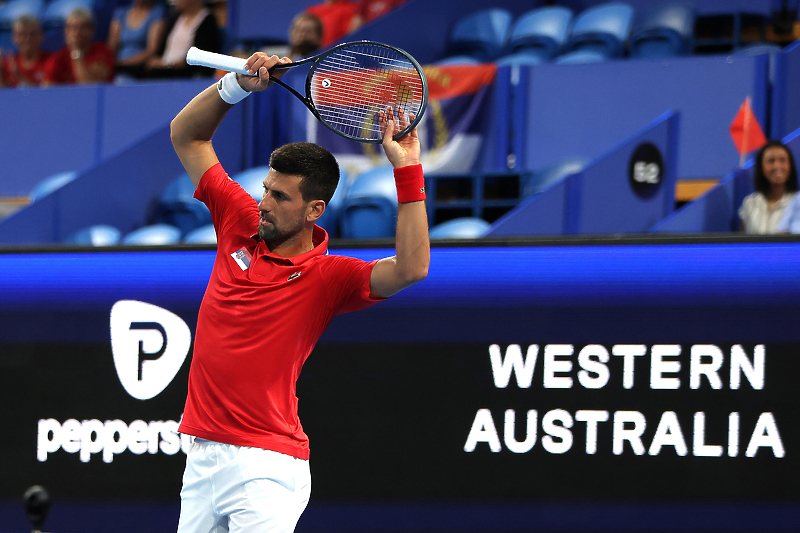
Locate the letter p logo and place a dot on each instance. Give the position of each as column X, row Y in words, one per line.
column 149, row 345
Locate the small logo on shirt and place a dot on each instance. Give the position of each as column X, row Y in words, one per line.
column 295, row 275
column 242, row 258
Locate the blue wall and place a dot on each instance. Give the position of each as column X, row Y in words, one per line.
column 786, row 86
column 122, row 191
column 600, row 198
column 257, row 20
column 576, row 111
column 46, row 131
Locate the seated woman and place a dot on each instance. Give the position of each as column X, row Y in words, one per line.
column 135, row 35
column 775, row 180
column 193, row 25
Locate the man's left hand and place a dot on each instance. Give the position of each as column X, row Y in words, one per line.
column 405, row 150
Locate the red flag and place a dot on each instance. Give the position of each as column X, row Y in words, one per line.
column 745, row 130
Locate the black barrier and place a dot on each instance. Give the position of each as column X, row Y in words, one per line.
column 635, row 373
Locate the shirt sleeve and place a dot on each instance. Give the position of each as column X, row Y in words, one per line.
column 104, row 58
column 745, row 211
column 786, row 223
column 348, row 284
column 232, row 208
column 53, row 70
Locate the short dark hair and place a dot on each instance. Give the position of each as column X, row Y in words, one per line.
column 315, row 20
column 314, row 164
column 760, row 180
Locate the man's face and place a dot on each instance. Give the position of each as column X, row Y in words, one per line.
column 282, row 208
column 27, row 37
column 78, row 33
column 304, row 31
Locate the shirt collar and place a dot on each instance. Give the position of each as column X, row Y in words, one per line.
column 319, row 239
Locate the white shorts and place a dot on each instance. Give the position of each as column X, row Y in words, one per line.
column 242, row 489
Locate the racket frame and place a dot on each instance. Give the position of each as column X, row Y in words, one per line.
column 316, row 60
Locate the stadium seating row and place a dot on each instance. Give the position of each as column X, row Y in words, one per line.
column 556, row 33
column 365, row 209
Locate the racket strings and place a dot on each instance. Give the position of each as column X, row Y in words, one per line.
column 350, row 87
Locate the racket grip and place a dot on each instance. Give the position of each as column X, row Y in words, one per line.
column 195, row 56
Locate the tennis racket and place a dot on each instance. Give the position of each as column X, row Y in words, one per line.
column 348, row 85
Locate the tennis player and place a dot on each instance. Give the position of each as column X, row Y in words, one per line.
column 272, row 292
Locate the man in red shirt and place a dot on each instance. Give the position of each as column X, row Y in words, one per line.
column 81, row 60
column 272, row 292
column 26, row 67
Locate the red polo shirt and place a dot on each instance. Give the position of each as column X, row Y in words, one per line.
column 99, row 60
column 16, row 73
column 259, row 320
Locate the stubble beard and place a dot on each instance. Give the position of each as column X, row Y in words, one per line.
column 274, row 235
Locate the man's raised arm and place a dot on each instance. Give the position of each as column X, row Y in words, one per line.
column 192, row 129
column 413, row 248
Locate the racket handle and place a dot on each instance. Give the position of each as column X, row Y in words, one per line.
column 195, row 56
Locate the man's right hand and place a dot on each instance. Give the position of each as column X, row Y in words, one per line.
column 258, row 65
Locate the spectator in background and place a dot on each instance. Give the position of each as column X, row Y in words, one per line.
column 775, row 180
column 192, row 25
column 135, row 35
column 369, row 10
column 305, row 38
column 27, row 66
column 81, row 60
column 336, row 17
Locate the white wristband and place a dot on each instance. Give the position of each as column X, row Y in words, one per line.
column 230, row 90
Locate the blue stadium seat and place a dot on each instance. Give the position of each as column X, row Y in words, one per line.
column 541, row 32
column 202, row 235
column 580, row 56
column 252, row 180
column 543, row 178
column 178, row 207
column 457, row 61
column 370, row 206
column 333, row 211
column 523, row 57
column 156, row 234
column 460, row 228
column 481, row 35
column 99, row 235
column 57, row 11
column 15, row 8
column 50, row 184
column 666, row 30
column 181, row 188
column 603, row 28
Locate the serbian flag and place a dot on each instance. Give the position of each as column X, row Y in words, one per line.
column 745, row 130
column 451, row 131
